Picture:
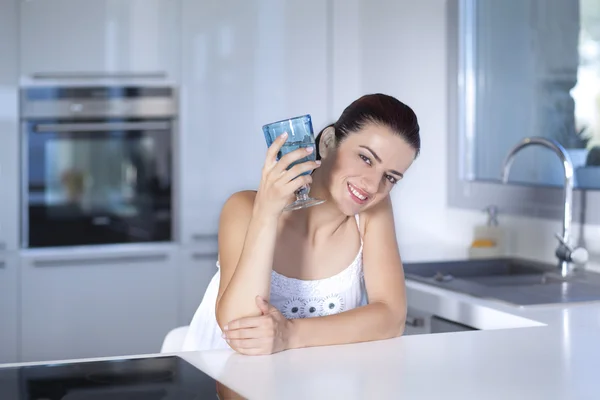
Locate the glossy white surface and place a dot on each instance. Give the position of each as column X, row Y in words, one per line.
column 9, row 193
column 264, row 62
column 9, row 316
column 84, row 302
column 197, row 267
column 103, row 38
column 9, row 126
column 557, row 359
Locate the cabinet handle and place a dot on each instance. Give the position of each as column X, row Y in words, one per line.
column 99, row 261
column 415, row 321
column 99, row 75
column 198, row 237
column 102, row 126
column 205, row 256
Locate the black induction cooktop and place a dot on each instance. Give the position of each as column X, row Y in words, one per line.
column 153, row 378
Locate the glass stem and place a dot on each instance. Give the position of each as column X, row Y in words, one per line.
column 302, row 193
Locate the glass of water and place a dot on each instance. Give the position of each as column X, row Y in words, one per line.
column 300, row 134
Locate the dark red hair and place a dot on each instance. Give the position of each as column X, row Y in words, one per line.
column 378, row 109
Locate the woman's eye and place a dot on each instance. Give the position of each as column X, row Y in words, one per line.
column 392, row 180
column 365, row 159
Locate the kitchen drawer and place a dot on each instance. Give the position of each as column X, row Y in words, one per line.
column 9, row 312
column 97, row 303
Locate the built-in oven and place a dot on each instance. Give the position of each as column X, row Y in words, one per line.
column 97, row 165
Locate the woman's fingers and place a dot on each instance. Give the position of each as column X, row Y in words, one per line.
column 251, row 333
column 274, row 149
column 292, row 157
column 244, row 323
column 298, row 170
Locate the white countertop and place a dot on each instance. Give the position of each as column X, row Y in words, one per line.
column 550, row 352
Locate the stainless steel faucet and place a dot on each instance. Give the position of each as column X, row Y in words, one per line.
column 566, row 254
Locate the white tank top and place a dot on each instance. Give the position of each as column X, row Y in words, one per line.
column 294, row 298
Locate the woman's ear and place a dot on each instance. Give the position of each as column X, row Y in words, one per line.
column 327, row 142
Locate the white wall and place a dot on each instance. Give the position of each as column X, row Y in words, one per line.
column 399, row 47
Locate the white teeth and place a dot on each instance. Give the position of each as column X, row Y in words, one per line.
column 354, row 192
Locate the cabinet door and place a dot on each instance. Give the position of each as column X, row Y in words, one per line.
column 198, row 268
column 8, row 309
column 417, row 322
column 264, row 62
column 9, row 173
column 100, row 303
column 99, row 38
column 9, row 126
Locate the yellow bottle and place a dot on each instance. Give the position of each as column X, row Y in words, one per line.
column 490, row 240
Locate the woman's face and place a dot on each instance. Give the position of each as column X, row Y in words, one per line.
column 365, row 166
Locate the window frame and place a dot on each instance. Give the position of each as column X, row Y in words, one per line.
column 464, row 191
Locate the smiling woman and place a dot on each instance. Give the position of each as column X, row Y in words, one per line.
column 302, row 278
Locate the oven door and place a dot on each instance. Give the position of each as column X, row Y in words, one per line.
column 96, row 182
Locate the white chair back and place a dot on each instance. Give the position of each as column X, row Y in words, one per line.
column 173, row 341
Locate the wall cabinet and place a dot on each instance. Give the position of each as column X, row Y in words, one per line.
column 99, row 39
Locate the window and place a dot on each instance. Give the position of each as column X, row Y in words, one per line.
column 521, row 68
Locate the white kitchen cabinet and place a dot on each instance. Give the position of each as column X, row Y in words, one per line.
column 9, row 340
column 9, row 126
column 9, row 175
column 99, row 38
column 97, row 302
column 241, row 69
column 198, row 267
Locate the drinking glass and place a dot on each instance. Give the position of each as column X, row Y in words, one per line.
column 300, row 134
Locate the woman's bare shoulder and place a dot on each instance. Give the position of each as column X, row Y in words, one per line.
column 382, row 212
column 244, row 199
column 233, row 223
column 238, row 208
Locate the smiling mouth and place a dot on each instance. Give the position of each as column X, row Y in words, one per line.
column 359, row 196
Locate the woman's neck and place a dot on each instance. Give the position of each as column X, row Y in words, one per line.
column 319, row 221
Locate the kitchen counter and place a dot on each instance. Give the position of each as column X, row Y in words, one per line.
column 537, row 352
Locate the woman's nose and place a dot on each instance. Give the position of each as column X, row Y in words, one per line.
column 371, row 183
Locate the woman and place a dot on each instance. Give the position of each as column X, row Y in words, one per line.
column 277, row 269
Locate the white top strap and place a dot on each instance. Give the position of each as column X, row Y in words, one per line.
column 358, row 225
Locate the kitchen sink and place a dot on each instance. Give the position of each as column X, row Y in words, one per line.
column 513, row 280
column 521, row 279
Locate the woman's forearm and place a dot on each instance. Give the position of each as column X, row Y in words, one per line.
column 252, row 275
column 375, row 321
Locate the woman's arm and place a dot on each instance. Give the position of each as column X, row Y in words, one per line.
column 385, row 315
column 248, row 232
column 246, row 248
column 382, row 318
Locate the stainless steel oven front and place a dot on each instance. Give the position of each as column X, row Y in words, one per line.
column 97, row 165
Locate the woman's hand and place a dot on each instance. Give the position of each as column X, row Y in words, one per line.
column 277, row 184
column 266, row 334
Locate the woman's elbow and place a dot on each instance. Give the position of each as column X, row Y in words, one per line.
column 221, row 315
column 395, row 330
column 225, row 313
column 397, row 322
